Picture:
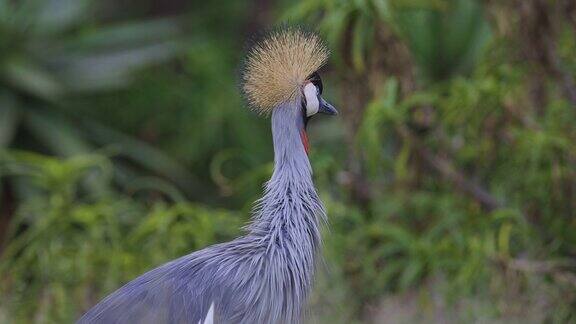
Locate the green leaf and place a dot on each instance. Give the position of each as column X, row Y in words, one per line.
column 361, row 33
column 56, row 133
column 111, row 69
column 445, row 41
column 411, row 273
column 29, row 78
column 56, row 16
column 126, row 35
column 145, row 155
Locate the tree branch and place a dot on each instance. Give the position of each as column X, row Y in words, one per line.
column 449, row 172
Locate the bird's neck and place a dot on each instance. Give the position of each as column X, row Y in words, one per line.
column 290, row 208
column 285, row 227
column 290, row 147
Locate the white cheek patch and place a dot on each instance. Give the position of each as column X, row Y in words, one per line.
column 312, row 104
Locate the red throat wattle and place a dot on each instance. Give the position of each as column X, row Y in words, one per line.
column 305, row 142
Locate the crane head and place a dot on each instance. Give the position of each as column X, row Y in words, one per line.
column 283, row 67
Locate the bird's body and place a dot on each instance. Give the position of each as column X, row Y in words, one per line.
column 261, row 277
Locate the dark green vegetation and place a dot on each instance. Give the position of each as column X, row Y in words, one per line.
column 449, row 176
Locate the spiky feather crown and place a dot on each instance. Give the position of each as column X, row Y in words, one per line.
column 277, row 66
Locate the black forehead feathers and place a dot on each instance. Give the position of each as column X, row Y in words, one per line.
column 316, row 80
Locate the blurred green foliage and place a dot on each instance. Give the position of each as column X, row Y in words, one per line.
column 66, row 248
column 56, row 49
column 451, row 172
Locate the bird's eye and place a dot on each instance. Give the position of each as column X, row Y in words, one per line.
column 317, row 81
column 311, row 95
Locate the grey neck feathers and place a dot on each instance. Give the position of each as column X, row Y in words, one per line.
column 288, row 214
column 285, row 225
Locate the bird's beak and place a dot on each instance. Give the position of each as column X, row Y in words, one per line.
column 327, row 108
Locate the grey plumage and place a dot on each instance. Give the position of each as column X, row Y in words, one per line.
column 262, row 277
column 266, row 275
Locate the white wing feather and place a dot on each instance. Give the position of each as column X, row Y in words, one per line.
column 210, row 316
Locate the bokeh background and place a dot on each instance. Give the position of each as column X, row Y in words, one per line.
column 449, row 176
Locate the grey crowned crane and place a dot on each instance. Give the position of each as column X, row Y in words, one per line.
column 266, row 275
